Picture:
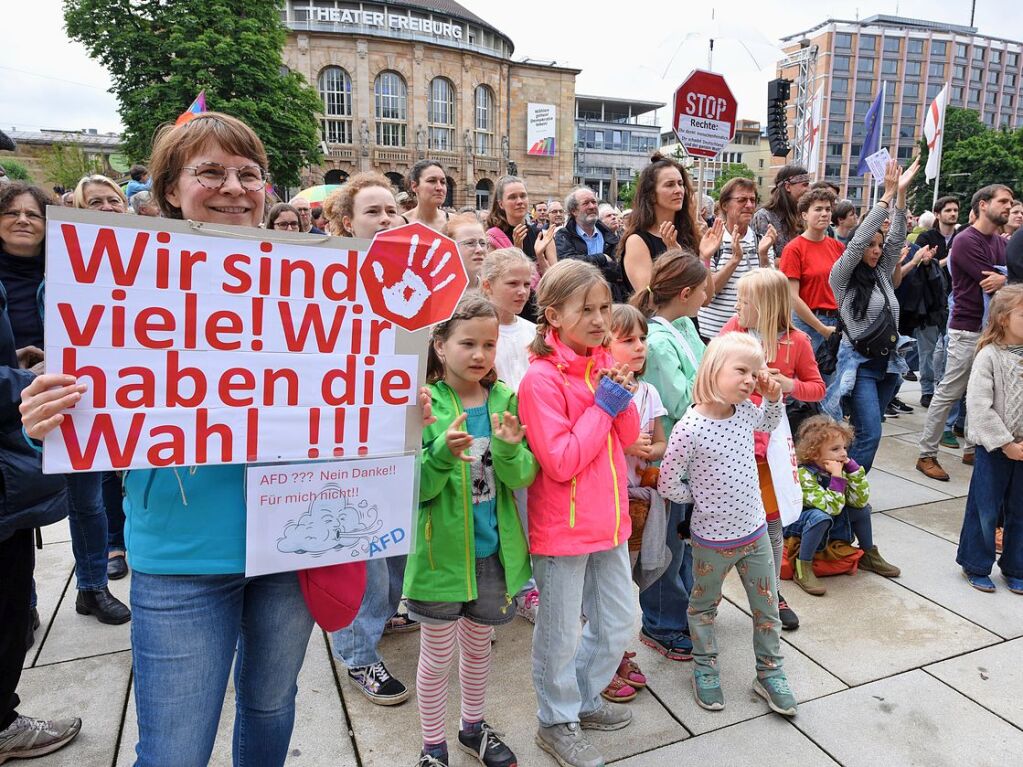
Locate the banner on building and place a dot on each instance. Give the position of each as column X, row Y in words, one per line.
column 541, row 129
column 214, row 345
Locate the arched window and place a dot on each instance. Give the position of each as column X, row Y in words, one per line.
column 484, row 134
column 336, row 92
column 442, row 114
column 484, row 188
column 391, row 98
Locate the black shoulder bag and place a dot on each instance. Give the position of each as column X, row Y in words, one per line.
column 880, row 337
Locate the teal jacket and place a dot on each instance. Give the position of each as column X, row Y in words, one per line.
column 669, row 370
column 442, row 561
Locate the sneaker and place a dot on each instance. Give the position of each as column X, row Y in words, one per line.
column 1015, row 584
column 485, row 743
column 948, row 439
column 901, row 406
column 619, row 691
column 628, row 670
column 565, row 742
column 789, row 619
column 929, row 467
column 998, row 540
column 607, row 717
column 910, row 376
column 980, row 582
column 806, row 579
column 679, row 649
column 873, row 562
column 891, row 412
column 925, row 400
column 377, row 684
column 968, row 458
column 26, row 738
column 526, row 605
column 707, row 689
column 431, row 760
column 776, row 691
column 399, row 623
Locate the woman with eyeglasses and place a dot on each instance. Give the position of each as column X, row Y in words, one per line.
column 284, row 218
column 195, row 612
column 730, row 262
column 467, row 231
column 99, row 193
column 22, row 272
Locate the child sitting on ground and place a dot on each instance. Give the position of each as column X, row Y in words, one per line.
column 835, row 496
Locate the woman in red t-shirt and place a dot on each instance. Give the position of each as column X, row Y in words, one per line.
column 764, row 310
column 807, row 262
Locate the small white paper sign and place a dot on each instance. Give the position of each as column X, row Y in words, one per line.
column 877, row 163
column 302, row 515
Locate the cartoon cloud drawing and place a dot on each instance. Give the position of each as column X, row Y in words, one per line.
column 330, row 524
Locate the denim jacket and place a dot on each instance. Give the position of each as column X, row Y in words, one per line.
column 847, row 367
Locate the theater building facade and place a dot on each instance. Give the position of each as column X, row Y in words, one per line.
column 404, row 81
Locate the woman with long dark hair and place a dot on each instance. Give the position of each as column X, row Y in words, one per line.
column 428, row 182
column 663, row 217
column 780, row 211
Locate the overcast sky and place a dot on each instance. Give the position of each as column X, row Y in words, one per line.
column 47, row 81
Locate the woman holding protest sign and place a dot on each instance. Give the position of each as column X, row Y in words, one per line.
column 22, row 265
column 193, row 606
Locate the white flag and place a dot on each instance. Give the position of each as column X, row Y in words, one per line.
column 812, row 138
column 934, row 128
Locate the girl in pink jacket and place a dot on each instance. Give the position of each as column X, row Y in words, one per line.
column 577, row 406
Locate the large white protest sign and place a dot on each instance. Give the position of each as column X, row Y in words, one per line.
column 328, row 512
column 217, row 345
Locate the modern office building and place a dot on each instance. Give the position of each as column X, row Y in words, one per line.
column 407, row 79
column 614, row 139
column 749, row 147
column 914, row 58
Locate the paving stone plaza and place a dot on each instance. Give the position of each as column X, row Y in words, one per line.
column 913, row 671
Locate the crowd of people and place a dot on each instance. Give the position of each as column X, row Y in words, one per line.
column 598, row 415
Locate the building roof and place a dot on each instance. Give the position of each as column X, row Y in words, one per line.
column 637, row 107
column 448, row 8
column 46, row 136
column 882, row 20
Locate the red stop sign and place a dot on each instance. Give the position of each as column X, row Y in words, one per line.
column 413, row 276
column 705, row 114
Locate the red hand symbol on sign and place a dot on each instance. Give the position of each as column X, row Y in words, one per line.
column 413, row 276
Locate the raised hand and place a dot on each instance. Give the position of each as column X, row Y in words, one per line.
column 767, row 241
column 519, row 235
column 669, row 235
column 407, row 296
column 458, row 441
column 906, row 177
column 712, row 240
column 892, row 174
column 426, row 407
column 507, row 428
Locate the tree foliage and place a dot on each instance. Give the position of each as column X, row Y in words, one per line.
column 728, row 172
column 161, row 54
column 15, row 170
column 973, row 156
column 65, row 164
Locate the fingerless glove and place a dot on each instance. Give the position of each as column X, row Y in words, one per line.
column 612, row 397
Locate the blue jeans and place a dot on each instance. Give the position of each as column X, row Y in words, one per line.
column 665, row 603
column 817, row 528
column 356, row 645
column 816, row 339
column 930, row 360
column 569, row 673
column 113, row 502
column 871, row 394
column 87, row 519
column 185, row 630
column 996, row 486
column 957, row 415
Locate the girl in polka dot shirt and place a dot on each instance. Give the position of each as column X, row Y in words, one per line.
column 710, row 462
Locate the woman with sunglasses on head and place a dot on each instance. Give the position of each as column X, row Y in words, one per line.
column 195, row 612
column 283, row 218
column 790, row 183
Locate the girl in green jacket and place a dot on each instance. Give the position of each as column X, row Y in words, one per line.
column 469, row 553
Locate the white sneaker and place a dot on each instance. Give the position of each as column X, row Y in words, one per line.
column 527, row 605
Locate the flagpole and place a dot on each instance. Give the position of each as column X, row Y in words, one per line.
column 880, row 140
column 941, row 141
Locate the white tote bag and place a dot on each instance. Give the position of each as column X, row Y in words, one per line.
column 781, row 459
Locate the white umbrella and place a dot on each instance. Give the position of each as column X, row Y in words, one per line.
column 711, row 33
